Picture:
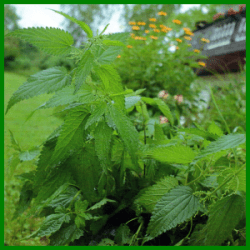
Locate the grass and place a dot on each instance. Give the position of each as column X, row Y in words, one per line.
column 28, row 134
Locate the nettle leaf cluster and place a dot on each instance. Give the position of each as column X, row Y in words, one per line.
column 101, row 181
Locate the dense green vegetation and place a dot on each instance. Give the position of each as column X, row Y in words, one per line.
column 143, row 164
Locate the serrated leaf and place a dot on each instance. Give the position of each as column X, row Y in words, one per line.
column 50, row 225
column 83, row 25
column 126, row 130
column 83, row 69
column 66, row 234
column 100, row 203
column 179, row 154
column 122, row 235
column 29, row 155
column 46, row 81
column 103, row 135
column 62, row 97
column 86, row 171
column 223, row 217
column 71, row 136
column 158, row 132
column 13, row 162
column 151, row 195
column 81, row 207
column 14, row 142
column 175, row 207
column 112, row 83
column 26, row 195
column 164, row 109
column 97, row 113
column 65, row 198
column 214, row 129
column 223, row 143
column 130, row 101
column 51, row 40
column 79, row 221
column 196, row 131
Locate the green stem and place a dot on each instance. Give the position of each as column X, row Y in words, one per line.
column 228, row 179
column 74, row 198
column 216, row 106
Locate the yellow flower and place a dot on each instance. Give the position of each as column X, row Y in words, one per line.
column 188, row 32
column 146, row 31
column 132, row 23
column 151, row 25
column 205, row 40
column 135, row 28
column 177, row 48
column 154, row 37
column 186, row 29
column 152, row 19
column 197, row 51
column 202, row 64
column 129, row 46
column 156, row 30
column 188, row 38
column 132, row 35
column 162, row 13
column 176, row 21
column 178, row 40
column 119, row 56
column 143, row 23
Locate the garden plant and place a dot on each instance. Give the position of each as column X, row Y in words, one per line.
column 105, row 177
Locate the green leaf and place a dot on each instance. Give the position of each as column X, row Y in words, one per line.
column 81, row 207
column 112, row 83
column 214, row 129
column 79, row 221
column 66, row 234
column 223, row 143
column 51, row 40
column 164, row 109
column 103, row 135
column 83, row 25
column 83, row 69
column 100, row 203
column 65, row 198
column 29, row 155
column 51, row 224
column 71, row 136
column 13, row 162
column 151, row 195
column 104, row 29
column 126, row 130
column 14, row 142
column 26, row 195
column 158, row 133
column 223, row 218
column 196, row 131
column 86, row 171
column 122, row 235
column 130, row 101
column 46, row 81
column 179, row 154
column 62, row 97
column 175, row 207
column 97, row 113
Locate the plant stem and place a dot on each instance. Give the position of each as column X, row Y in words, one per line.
column 216, row 106
column 228, row 179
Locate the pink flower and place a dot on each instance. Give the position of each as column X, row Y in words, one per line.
column 179, row 98
column 163, row 94
column 163, row 119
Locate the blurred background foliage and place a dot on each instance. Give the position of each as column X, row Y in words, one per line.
column 140, row 66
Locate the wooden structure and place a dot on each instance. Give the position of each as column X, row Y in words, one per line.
column 227, row 47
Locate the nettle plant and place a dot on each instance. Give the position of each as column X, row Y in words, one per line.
column 100, row 181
